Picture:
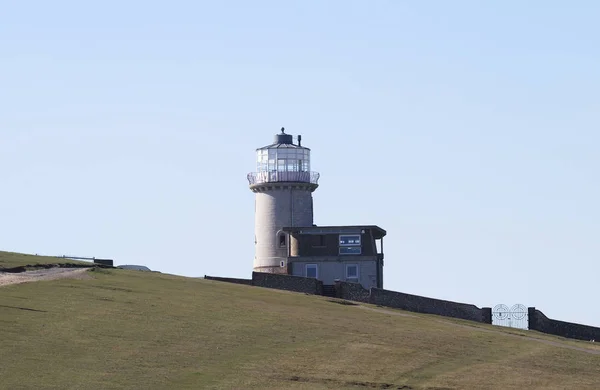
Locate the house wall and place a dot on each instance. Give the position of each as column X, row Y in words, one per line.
column 328, row 270
column 380, row 265
column 303, row 244
column 538, row 321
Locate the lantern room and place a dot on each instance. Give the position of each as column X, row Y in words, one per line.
column 283, row 161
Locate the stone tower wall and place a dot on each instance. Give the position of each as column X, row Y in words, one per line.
column 279, row 205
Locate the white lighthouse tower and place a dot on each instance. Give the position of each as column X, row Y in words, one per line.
column 283, row 184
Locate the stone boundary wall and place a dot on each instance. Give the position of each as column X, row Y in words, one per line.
column 287, row 282
column 538, row 321
column 419, row 304
column 229, row 280
column 414, row 303
column 352, row 292
column 277, row 281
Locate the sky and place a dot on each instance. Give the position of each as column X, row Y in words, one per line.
column 468, row 130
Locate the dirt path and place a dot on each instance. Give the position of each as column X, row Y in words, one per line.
column 543, row 341
column 42, row 274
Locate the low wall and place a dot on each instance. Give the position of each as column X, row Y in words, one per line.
column 352, row 291
column 104, row 262
column 538, row 321
column 414, row 303
column 287, row 282
column 419, row 304
column 486, row 315
column 229, row 280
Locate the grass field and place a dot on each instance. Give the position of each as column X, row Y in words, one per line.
column 141, row 330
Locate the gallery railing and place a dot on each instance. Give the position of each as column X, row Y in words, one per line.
column 274, row 177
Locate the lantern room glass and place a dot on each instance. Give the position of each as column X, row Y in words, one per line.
column 283, row 160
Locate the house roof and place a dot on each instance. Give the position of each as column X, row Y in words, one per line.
column 349, row 229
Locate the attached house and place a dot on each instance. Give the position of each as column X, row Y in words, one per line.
column 330, row 253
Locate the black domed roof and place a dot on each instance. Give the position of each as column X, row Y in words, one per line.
column 283, row 140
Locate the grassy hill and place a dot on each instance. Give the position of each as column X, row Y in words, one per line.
column 10, row 260
column 140, row 330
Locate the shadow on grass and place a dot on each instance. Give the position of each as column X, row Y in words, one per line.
column 360, row 384
column 23, row 308
column 347, row 303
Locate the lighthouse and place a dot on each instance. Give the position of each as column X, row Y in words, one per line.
column 285, row 237
column 283, row 184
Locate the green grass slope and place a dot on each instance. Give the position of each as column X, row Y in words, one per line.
column 11, row 260
column 138, row 330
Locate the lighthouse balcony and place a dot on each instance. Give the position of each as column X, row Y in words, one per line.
column 278, row 177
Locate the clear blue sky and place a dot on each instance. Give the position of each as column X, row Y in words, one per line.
column 468, row 130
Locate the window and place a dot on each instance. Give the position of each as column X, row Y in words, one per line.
column 282, row 240
column 350, row 244
column 350, row 240
column 318, row 240
column 281, row 165
column 311, row 271
column 350, row 250
column 351, row 271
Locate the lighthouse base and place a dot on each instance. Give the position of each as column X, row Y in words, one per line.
column 272, row 270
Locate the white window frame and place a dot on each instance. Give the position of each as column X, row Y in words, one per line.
column 350, row 254
column 357, row 271
column 350, row 235
column 316, row 270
